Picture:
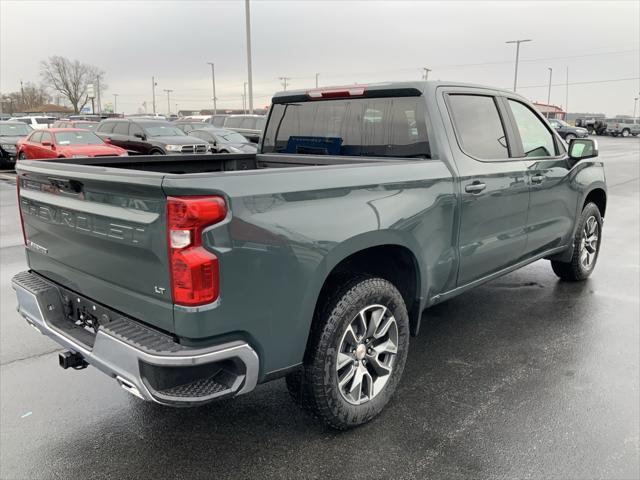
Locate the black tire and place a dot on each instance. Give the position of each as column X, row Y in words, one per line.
column 157, row 152
column 223, row 151
column 315, row 387
column 22, row 156
column 626, row 132
column 575, row 270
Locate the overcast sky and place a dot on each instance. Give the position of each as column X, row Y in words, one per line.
column 344, row 41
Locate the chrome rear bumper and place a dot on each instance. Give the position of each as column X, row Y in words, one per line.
column 145, row 362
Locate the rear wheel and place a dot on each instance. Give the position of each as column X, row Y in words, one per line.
column 157, row 152
column 626, row 132
column 586, row 248
column 356, row 353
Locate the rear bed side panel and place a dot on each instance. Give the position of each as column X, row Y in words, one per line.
column 289, row 227
column 100, row 232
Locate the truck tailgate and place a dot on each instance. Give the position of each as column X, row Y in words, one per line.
column 100, row 232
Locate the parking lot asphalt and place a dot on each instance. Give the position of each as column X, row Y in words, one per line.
column 524, row 377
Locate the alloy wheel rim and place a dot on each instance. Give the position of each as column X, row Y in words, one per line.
column 589, row 244
column 367, row 354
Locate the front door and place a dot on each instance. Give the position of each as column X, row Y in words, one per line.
column 553, row 202
column 493, row 186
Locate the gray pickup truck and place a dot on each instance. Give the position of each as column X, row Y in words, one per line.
column 193, row 278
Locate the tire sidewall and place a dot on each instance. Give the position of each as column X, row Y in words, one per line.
column 590, row 210
column 359, row 297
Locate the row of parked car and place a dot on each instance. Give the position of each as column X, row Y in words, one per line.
column 143, row 135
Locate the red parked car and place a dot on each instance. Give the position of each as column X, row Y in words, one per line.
column 65, row 143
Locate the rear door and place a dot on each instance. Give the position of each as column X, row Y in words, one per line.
column 553, row 201
column 101, row 233
column 493, row 185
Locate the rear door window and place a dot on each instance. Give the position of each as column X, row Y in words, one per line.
column 35, row 138
column 106, row 127
column 478, row 126
column 233, row 122
column 377, row 127
column 46, row 137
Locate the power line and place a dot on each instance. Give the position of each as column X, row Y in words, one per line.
column 590, row 82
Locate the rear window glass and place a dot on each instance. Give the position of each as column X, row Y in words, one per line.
column 45, row 121
column 378, row 127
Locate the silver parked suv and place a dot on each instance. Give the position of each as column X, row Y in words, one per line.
column 623, row 126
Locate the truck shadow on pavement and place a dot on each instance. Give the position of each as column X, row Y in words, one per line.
column 471, row 353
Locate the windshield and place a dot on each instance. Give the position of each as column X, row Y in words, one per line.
column 562, row 122
column 161, row 129
column 14, row 130
column 230, row 137
column 77, row 138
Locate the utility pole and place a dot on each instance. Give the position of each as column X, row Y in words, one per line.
column 425, row 76
column 98, row 94
column 566, row 95
column 317, row 75
column 168, row 100
column 549, row 92
column 285, row 82
column 22, row 95
column 153, row 92
column 244, row 98
column 517, row 42
column 250, row 79
column 635, row 104
column 213, row 82
column 115, row 103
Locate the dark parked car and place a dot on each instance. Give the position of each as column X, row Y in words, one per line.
column 250, row 126
column 149, row 137
column 188, row 125
column 192, row 279
column 567, row 131
column 10, row 133
column 224, row 141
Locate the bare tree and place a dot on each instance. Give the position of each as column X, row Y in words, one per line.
column 70, row 78
column 29, row 97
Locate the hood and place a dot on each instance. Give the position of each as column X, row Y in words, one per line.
column 175, row 140
column 245, row 147
column 90, row 150
column 9, row 140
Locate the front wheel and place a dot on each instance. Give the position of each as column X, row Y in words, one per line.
column 625, row 132
column 22, row 156
column 356, row 353
column 586, row 247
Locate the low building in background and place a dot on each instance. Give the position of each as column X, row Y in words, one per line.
column 551, row 111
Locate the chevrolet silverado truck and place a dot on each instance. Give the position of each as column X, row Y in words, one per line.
column 192, row 278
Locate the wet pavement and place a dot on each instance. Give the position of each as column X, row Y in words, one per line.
column 524, row 377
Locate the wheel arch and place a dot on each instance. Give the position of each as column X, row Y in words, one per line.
column 388, row 255
column 598, row 196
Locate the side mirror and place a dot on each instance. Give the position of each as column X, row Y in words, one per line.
column 581, row 148
column 141, row 136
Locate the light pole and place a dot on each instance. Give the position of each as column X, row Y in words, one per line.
column 153, row 92
column 426, row 73
column 115, row 103
column 317, row 75
column 549, row 93
column 247, row 13
column 213, row 82
column 244, row 98
column 635, row 104
column 168, row 101
column 517, row 42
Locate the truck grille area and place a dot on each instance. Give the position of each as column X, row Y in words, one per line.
column 194, row 148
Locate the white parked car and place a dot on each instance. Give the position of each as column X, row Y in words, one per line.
column 36, row 122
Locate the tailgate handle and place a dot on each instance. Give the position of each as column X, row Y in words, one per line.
column 65, row 185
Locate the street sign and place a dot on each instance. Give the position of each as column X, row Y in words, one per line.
column 91, row 93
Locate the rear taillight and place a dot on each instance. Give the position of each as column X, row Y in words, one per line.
column 24, row 233
column 194, row 270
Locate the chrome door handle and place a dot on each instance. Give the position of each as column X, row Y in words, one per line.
column 537, row 178
column 475, row 187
